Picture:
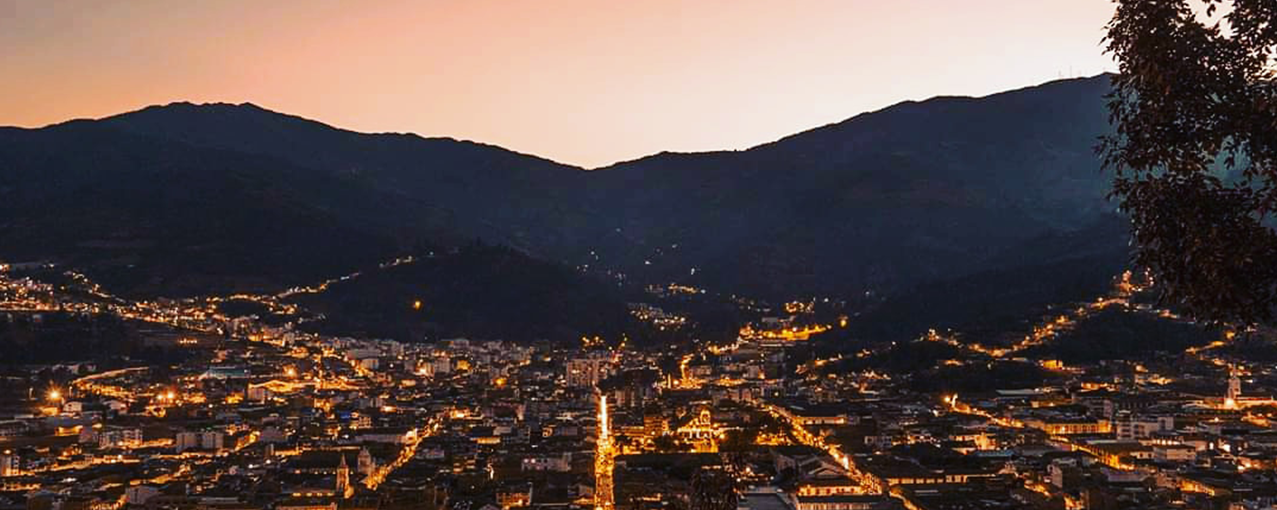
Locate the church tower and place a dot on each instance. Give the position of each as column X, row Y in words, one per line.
column 343, row 479
column 1234, row 385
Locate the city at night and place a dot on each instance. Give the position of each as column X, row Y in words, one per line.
column 661, row 255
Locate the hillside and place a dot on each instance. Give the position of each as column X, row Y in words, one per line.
column 159, row 217
column 187, row 199
column 475, row 291
column 885, row 200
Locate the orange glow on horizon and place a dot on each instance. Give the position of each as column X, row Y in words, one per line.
column 578, row 81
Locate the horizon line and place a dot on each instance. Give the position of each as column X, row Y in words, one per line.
column 253, row 104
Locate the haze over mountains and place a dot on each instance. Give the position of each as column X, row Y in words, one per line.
column 186, row 199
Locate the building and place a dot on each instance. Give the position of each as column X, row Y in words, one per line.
column 1066, row 426
column 343, row 487
column 631, row 389
column 514, row 496
column 1117, row 453
column 699, row 430
column 828, row 486
column 390, row 435
column 305, row 504
column 1132, row 427
column 186, row 441
column 558, row 463
column 212, row 441
column 1174, row 453
column 1234, row 385
column 808, row 415
column 12, row 428
column 10, row 464
column 139, row 494
column 365, row 463
column 437, row 366
column 258, row 393
column 843, row 502
column 120, row 438
column 588, row 370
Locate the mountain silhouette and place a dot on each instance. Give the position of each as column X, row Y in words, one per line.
column 184, row 198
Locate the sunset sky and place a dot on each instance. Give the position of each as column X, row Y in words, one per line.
column 587, row 82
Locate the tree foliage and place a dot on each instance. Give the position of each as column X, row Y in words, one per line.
column 713, row 489
column 1194, row 151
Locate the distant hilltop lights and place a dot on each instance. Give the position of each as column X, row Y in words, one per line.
column 788, row 334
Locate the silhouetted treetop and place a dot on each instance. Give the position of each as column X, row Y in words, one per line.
column 1195, row 149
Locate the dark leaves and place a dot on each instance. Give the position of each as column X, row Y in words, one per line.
column 1195, row 150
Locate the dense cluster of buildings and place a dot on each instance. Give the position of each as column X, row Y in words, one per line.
column 263, row 417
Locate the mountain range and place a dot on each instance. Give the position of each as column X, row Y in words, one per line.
column 185, row 199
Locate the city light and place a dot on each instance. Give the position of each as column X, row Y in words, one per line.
column 604, row 463
column 363, row 392
column 847, row 256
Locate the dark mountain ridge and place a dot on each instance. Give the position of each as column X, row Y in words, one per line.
column 168, row 218
column 914, row 193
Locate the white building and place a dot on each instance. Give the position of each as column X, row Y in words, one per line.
column 436, row 366
column 1133, row 427
column 1174, row 453
column 588, row 370
column 120, row 438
